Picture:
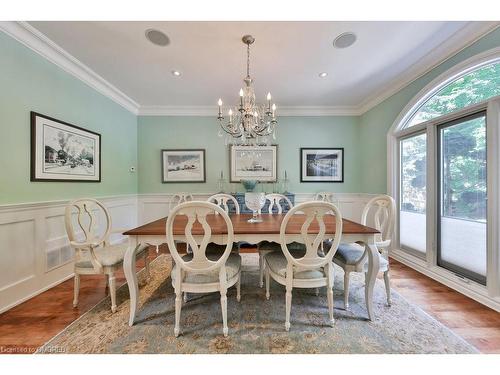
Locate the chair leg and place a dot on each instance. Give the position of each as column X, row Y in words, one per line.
column 178, row 307
column 223, row 304
column 238, row 288
column 268, row 282
column 77, row 290
column 329, row 292
column 261, row 269
column 288, row 307
column 387, row 287
column 112, row 291
column 346, row 290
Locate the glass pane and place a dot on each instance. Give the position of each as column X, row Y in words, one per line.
column 463, row 197
column 413, row 190
column 471, row 88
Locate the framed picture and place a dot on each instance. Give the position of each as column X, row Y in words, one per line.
column 63, row 152
column 253, row 163
column 183, row 166
column 322, row 165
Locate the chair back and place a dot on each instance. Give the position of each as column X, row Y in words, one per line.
column 325, row 196
column 88, row 213
column 279, row 201
column 197, row 212
column 314, row 211
column 383, row 209
column 179, row 198
column 221, row 201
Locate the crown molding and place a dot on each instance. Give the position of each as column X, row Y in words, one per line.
column 41, row 44
column 282, row 111
column 462, row 39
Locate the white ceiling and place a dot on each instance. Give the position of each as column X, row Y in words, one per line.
column 286, row 59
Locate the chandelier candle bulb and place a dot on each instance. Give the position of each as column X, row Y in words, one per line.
column 220, row 107
column 274, row 110
column 230, row 115
column 269, row 100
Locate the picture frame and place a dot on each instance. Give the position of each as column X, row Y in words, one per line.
column 322, row 164
column 253, row 163
column 63, row 152
column 183, row 166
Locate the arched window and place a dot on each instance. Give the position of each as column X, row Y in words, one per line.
column 472, row 87
column 440, row 171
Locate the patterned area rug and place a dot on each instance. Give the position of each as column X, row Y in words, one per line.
column 255, row 324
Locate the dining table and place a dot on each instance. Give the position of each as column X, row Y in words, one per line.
column 154, row 234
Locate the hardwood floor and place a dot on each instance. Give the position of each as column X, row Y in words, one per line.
column 27, row 326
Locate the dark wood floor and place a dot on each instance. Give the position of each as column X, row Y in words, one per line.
column 30, row 324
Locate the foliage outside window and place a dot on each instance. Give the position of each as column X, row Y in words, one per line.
column 471, row 88
column 413, row 174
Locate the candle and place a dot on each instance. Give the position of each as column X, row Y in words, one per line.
column 230, row 115
column 241, row 98
column 274, row 110
column 220, row 106
column 285, row 175
column 221, row 175
column 269, row 100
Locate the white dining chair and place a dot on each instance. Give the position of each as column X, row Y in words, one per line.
column 202, row 271
column 177, row 199
column 222, row 199
column 94, row 252
column 277, row 203
column 309, row 269
column 353, row 257
column 325, row 196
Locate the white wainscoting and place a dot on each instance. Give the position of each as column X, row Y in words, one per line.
column 34, row 250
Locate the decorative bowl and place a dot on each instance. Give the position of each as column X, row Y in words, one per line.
column 249, row 185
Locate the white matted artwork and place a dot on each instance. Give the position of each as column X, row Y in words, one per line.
column 253, row 163
column 63, row 152
column 183, row 165
column 322, row 165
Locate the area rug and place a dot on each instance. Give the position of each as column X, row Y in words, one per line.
column 256, row 325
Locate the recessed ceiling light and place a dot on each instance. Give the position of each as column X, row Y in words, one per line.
column 323, row 74
column 157, row 37
column 344, row 40
column 176, row 73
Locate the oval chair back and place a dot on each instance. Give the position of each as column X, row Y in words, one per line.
column 197, row 212
column 88, row 212
column 383, row 209
column 278, row 201
column 179, row 198
column 315, row 213
column 325, row 196
column 221, row 201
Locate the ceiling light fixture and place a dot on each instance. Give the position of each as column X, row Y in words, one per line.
column 157, row 37
column 323, row 74
column 249, row 123
column 176, row 73
column 344, row 40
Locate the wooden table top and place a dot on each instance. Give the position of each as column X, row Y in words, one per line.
column 270, row 225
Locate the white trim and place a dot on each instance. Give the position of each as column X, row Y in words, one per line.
column 159, row 110
column 39, row 43
column 467, row 36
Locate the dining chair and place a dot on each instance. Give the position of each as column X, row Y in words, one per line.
column 202, row 271
column 325, row 196
column 221, row 201
column 308, row 269
column 177, row 199
column 95, row 254
column 277, row 202
column 353, row 257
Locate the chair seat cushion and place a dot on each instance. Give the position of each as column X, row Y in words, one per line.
column 350, row 253
column 277, row 262
column 108, row 256
column 273, row 246
column 233, row 267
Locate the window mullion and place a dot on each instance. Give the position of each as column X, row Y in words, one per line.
column 431, row 197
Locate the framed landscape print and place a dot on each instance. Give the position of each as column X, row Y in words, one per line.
column 322, row 165
column 253, row 163
column 183, row 166
column 63, row 152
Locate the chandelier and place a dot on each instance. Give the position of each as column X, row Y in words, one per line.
column 248, row 123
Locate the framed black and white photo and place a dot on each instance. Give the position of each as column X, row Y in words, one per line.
column 63, row 152
column 253, row 163
column 322, row 165
column 183, row 165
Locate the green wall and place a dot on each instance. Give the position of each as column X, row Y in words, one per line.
column 375, row 123
column 29, row 82
column 156, row 133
